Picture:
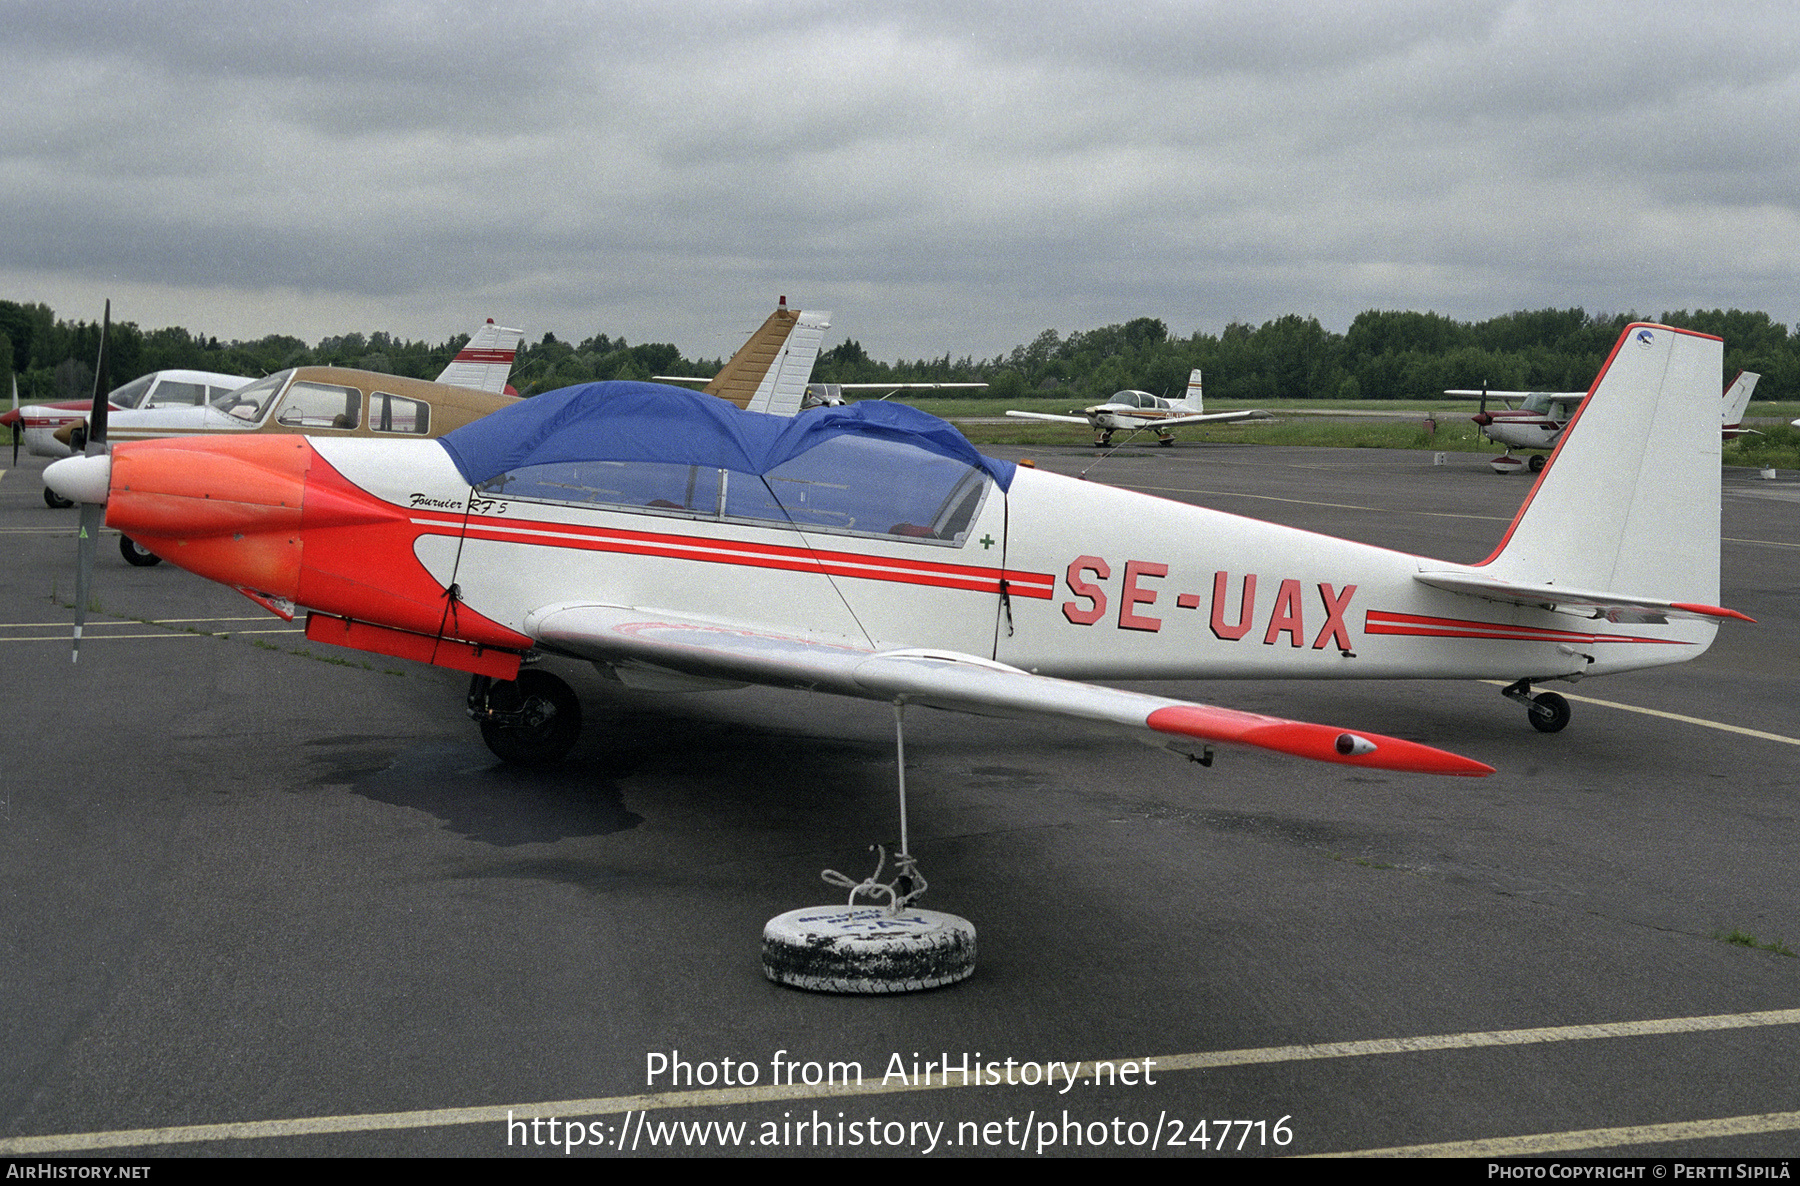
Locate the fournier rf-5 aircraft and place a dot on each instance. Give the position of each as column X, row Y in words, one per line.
column 1536, row 419
column 1134, row 411
column 678, row 543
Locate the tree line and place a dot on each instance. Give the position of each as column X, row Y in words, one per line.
column 1383, row 355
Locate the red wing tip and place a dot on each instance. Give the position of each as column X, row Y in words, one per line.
column 1711, row 611
column 1317, row 742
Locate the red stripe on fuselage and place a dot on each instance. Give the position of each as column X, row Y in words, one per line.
column 1419, row 626
column 714, row 550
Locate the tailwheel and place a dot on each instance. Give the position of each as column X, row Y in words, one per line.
column 1549, row 712
column 531, row 721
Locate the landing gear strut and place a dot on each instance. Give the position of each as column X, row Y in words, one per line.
column 533, row 720
column 1547, row 712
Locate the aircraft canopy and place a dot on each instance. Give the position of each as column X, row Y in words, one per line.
column 650, row 422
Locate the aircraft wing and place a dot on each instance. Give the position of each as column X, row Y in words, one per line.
column 1049, row 416
column 1588, row 603
column 942, row 679
column 1213, row 418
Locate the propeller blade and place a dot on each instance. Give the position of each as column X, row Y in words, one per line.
column 96, row 434
column 18, row 430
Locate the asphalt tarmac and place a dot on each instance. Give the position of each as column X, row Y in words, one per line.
column 262, row 896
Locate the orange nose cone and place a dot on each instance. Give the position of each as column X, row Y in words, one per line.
column 228, row 510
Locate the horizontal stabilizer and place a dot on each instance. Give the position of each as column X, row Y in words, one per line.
column 1587, row 603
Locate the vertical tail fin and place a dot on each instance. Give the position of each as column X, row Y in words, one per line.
column 1629, row 501
column 486, row 362
column 1737, row 399
column 1195, row 398
column 769, row 372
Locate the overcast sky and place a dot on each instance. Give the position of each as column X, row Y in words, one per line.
column 946, row 177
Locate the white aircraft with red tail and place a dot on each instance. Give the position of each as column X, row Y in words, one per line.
column 1134, row 411
column 870, row 551
column 1538, row 420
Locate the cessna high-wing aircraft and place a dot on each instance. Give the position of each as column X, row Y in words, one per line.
column 769, row 372
column 869, row 551
column 1538, row 420
column 1134, row 411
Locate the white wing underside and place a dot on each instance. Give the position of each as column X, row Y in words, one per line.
column 675, row 646
column 1152, row 421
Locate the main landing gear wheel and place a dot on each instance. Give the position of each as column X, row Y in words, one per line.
column 1549, row 712
column 137, row 554
column 531, row 721
column 52, row 499
column 1537, row 462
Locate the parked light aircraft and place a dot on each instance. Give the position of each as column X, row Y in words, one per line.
column 769, row 372
column 1135, row 411
column 1541, row 416
column 39, row 423
column 869, row 551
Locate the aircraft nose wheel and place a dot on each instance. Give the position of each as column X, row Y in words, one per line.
column 56, row 501
column 531, row 721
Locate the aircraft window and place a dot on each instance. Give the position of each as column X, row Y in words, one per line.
column 629, row 485
column 129, row 395
column 213, row 393
column 318, row 405
column 852, row 485
column 871, row 486
column 393, row 413
column 247, row 403
column 171, row 394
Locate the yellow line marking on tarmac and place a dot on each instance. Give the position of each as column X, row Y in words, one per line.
column 726, row 1097
column 1538, row 1144
column 1671, row 716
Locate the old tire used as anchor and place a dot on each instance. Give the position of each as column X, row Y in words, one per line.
column 867, row 949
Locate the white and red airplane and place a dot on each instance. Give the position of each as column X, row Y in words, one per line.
column 869, row 551
column 183, row 403
column 1541, row 416
column 1134, row 411
column 159, row 390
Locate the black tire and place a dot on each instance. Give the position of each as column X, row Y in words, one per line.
column 51, row 499
column 1536, row 463
column 1557, row 720
column 865, row 949
column 137, row 554
column 534, row 745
